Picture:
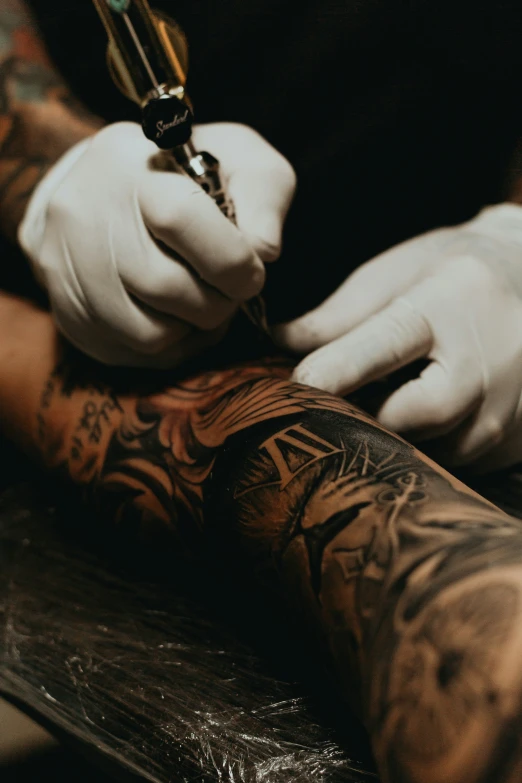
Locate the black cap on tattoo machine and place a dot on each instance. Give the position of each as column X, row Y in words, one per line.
column 148, row 60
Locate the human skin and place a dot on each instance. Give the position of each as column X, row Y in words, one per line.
column 411, row 582
column 39, row 117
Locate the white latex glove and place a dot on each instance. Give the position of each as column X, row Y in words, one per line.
column 453, row 296
column 91, row 232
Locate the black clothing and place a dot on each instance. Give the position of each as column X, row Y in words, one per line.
column 398, row 115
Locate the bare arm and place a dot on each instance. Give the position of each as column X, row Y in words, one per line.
column 412, row 582
column 39, row 118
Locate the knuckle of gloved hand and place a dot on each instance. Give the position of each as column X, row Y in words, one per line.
column 398, row 333
column 236, row 134
column 266, row 249
column 224, row 138
column 175, row 210
column 275, row 166
column 473, row 271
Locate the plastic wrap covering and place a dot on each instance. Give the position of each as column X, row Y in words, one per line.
column 144, row 678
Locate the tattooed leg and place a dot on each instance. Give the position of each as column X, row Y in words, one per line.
column 412, row 582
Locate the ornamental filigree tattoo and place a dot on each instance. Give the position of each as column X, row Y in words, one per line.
column 413, row 582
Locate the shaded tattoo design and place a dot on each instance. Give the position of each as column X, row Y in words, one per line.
column 39, row 118
column 413, row 582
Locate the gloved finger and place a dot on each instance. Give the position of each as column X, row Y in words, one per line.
column 432, row 404
column 505, row 454
column 165, row 284
column 258, row 179
column 365, row 292
column 111, row 312
column 455, row 383
column 475, row 438
column 93, row 341
column 484, row 354
column 489, row 427
column 178, row 212
column 502, row 407
column 385, row 342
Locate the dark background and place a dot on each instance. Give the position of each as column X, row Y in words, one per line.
column 398, row 115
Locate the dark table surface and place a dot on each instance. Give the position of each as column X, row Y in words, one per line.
column 144, row 679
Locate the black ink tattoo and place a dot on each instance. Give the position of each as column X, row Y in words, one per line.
column 413, row 582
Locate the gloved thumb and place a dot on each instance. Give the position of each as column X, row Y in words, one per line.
column 259, row 180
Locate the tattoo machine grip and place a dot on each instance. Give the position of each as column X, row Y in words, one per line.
column 148, row 60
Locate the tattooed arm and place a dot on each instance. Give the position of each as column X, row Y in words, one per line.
column 412, row 582
column 39, row 119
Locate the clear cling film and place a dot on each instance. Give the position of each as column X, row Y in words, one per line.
column 145, row 679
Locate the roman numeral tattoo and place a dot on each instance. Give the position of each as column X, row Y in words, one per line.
column 411, row 582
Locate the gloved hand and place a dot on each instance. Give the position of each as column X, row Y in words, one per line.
column 453, row 296
column 141, row 267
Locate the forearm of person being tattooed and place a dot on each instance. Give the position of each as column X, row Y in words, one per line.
column 412, row 582
column 39, row 118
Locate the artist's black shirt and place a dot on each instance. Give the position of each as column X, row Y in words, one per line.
column 398, row 115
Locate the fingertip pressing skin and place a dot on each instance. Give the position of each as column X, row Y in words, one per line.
column 384, row 343
column 367, row 291
column 307, row 333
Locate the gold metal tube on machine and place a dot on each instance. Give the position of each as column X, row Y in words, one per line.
column 148, row 61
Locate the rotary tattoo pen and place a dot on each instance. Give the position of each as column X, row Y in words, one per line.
column 147, row 57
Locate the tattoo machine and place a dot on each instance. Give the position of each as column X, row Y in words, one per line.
column 147, row 57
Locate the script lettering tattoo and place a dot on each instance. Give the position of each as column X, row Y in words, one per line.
column 39, row 119
column 95, row 416
column 412, row 582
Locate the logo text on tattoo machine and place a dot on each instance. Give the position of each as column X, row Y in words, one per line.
column 165, row 126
